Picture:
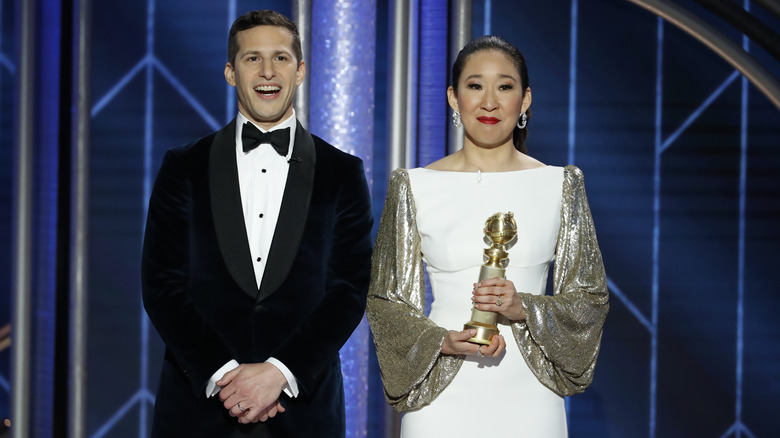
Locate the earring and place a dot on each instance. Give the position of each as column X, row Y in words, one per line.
column 456, row 119
column 523, row 121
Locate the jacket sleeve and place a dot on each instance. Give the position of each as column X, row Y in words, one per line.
column 316, row 341
column 408, row 344
column 561, row 336
column 165, row 278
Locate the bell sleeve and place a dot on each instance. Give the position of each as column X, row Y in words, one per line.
column 561, row 336
column 408, row 344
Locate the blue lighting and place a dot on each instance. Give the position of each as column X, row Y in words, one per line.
column 743, row 147
column 343, row 49
column 617, row 293
column 573, row 78
column 7, row 63
column 488, row 18
column 680, row 182
column 142, row 396
column 432, row 82
column 230, row 100
column 148, row 147
column 197, row 106
column 656, row 223
column 696, row 113
column 111, row 94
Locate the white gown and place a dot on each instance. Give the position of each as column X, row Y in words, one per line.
column 488, row 396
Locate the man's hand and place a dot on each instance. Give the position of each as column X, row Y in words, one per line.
column 256, row 387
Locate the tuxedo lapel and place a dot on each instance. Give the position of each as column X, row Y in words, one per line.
column 292, row 215
column 227, row 211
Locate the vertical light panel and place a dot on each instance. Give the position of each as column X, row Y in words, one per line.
column 79, row 236
column 230, row 92
column 5, row 64
column 460, row 35
column 45, row 218
column 743, row 171
column 343, row 51
column 573, row 77
column 22, row 208
column 411, row 83
column 397, row 85
column 302, row 18
column 488, row 8
column 659, row 92
column 432, row 110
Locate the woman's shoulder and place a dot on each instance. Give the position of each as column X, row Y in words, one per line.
column 398, row 177
column 573, row 174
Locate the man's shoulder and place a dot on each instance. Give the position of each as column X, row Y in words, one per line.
column 193, row 148
column 327, row 151
column 199, row 149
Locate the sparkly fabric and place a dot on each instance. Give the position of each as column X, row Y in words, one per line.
column 561, row 335
column 559, row 341
column 408, row 344
column 343, row 51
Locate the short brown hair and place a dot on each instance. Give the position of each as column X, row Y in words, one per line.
column 264, row 17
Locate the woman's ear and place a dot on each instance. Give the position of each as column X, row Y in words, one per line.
column 452, row 98
column 526, row 100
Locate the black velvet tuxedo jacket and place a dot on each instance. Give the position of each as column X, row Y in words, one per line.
column 200, row 292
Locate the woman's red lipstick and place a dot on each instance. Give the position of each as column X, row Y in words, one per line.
column 488, row 120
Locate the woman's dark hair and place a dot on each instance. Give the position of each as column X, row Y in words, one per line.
column 264, row 17
column 492, row 42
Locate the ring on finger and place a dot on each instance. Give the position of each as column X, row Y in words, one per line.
column 498, row 302
column 479, row 352
column 240, row 408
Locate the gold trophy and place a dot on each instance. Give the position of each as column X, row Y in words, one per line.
column 500, row 229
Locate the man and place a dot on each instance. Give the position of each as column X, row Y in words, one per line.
column 256, row 261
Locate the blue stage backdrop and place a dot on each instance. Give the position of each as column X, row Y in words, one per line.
column 7, row 80
column 680, row 153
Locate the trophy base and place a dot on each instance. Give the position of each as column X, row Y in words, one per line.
column 484, row 334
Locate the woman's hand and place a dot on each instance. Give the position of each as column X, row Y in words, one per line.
column 457, row 343
column 498, row 295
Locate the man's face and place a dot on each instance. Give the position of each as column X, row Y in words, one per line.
column 265, row 74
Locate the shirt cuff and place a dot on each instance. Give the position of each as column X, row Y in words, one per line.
column 291, row 388
column 211, row 387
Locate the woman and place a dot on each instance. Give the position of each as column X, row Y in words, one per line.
column 548, row 344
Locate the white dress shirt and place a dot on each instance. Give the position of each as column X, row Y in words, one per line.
column 262, row 177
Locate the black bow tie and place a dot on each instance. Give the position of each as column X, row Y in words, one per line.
column 251, row 137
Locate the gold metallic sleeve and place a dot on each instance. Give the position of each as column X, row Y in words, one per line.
column 559, row 340
column 408, row 344
column 561, row 337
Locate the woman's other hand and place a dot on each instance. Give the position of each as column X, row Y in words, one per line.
column 457, row 343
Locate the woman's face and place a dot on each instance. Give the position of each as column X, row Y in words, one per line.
column 490, row 98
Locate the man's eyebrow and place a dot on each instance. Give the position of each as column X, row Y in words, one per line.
column 258, row 51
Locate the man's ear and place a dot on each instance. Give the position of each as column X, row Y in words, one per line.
column 230, row 75
column 300, row 73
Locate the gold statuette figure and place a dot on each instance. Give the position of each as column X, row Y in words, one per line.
column 500, row 229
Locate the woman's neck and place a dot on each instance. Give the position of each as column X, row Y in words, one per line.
column 474, row 158
column 500, row 159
